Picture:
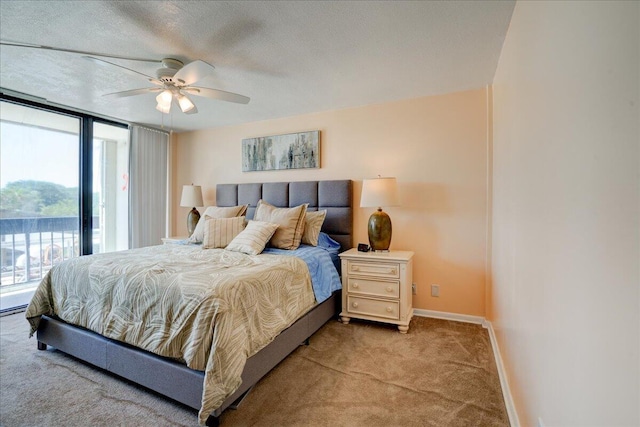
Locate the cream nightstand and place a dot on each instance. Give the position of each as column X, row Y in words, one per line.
column 377, row 286
column 180, row 240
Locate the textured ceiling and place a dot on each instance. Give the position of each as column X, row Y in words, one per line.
column 289, row 57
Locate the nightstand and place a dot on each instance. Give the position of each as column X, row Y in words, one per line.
column 179, row 240
column 377, row 286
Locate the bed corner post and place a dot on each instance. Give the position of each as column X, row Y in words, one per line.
column 41, row 346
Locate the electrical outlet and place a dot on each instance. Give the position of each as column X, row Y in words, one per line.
column 414, row 289
column 435, row 290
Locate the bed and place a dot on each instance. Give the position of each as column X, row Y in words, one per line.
column 174, row 379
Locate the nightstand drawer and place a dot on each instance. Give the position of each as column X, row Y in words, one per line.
column 362, row 285
column 378, row 269
column 373, row 307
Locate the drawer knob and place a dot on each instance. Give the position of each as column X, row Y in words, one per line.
column 355, row 305
column 389, row 289
column 356, row 268
column 392, row 271
column 355, row 285
column 389, row 309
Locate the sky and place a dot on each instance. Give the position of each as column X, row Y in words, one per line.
column 31, row 153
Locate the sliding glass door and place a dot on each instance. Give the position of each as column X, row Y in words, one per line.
column 63, row 193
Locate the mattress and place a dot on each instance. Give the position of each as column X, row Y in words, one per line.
column 211, row 309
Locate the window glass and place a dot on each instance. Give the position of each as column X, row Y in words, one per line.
column 39, row 194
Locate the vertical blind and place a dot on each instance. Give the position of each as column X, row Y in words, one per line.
column 148, row 163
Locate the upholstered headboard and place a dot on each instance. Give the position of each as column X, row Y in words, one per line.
column 333, row 196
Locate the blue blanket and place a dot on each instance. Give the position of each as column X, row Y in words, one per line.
column 323, row 263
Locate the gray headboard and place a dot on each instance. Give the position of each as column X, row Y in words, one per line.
column 333, row 196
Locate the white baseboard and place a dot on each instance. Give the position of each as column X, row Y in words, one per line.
column 502, row 374
column 449, row 316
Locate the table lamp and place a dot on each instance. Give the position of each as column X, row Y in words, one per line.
column 192, row 196
column 378, row 192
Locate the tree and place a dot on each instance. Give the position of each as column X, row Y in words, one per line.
column 35, row 198
column 18, row 201
column 62, row 208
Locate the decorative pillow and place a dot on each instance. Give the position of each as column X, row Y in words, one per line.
column 312, row 224
column 218, row 232
column 253, row 238
column 215, row 212
column 290, row 221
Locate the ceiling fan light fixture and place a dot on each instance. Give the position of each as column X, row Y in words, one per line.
column 185, row 103
column 165, row 97
column 163, row 108
column 164, row 101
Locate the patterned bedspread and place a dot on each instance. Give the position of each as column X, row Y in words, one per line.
column 167, row 300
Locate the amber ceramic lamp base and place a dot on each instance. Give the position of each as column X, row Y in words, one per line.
column 192, row 220
column 379, row 231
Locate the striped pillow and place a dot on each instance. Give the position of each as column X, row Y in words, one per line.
column 218, row 232
column 216, row 212
column 312, row 227
column 253, row 238
column 290, row 221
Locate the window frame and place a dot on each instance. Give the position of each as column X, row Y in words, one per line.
column 85, row 161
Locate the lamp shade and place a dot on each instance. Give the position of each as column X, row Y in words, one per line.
column 191, row 196
column 379, row 192
column 164, row 98
column 163, row 109
column 185, row 103
column 164, row 101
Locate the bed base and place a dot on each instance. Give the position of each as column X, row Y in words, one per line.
column 175, row 380
column 169, row 377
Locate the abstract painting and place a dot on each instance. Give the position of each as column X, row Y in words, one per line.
column 291, row 151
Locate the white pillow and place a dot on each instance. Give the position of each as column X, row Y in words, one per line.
column 312, row 226
column 215, row 212
column 218, row 232
column 253, row 238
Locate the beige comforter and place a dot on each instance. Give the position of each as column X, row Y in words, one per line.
column 167, row 300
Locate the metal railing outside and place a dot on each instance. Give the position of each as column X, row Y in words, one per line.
column 29, row 247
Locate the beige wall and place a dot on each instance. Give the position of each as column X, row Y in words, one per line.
column 566, row 190
column 435, row 146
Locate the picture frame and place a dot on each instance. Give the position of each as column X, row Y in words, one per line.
column 300, row 150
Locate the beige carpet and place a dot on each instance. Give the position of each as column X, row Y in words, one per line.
column 363, row 374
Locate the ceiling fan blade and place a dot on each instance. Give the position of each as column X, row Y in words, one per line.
column 193, row 71
column 103, row 63
column 217, row 94
column 133, row 92
column 82, row 52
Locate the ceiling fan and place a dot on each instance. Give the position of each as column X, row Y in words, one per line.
column 173, row 81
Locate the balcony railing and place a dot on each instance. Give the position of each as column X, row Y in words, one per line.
column 29, row 247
